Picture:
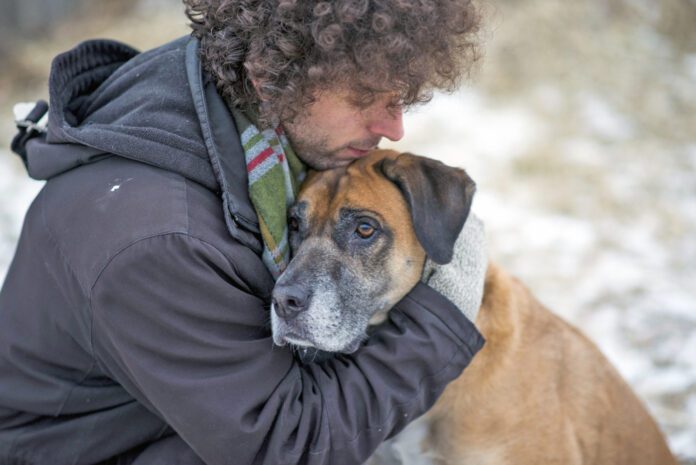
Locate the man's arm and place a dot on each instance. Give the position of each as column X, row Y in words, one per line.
column 174, row 324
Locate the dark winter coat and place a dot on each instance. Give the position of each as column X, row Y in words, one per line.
column 136, row 306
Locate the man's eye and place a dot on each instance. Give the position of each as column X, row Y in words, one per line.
column 365, row 230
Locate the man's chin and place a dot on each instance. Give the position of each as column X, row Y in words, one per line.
column 336, row 159
column 350, row 154
column 325, row 162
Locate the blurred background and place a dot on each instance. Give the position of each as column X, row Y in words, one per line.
column 579, row 126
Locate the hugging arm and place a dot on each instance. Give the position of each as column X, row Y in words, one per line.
column 191, row 342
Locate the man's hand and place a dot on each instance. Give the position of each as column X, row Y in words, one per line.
column 462, row 279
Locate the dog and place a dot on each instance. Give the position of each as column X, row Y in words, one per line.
column 538, row 392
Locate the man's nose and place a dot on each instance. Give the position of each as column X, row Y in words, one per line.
column 389, row 124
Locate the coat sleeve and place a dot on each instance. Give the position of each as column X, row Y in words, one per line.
column 174, row 324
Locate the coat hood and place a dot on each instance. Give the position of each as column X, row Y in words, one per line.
column 156, row 107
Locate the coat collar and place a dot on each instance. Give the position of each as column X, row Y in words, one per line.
column 225, row 151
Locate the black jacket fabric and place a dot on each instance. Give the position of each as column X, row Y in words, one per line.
column 136, row 307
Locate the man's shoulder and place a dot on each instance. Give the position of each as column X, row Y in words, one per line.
column 95, row 211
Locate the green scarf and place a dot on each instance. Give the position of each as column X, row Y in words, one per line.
column 275, row 174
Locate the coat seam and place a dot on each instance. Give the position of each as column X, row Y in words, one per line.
column 106, row 265
column 185, row 234
column 128, row 246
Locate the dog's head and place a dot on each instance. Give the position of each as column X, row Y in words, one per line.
column 359, row 237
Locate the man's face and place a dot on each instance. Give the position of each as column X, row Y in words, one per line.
column 333, row 130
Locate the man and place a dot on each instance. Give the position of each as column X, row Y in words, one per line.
column 134, row 317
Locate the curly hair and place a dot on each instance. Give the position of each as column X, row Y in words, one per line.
column 290, row 49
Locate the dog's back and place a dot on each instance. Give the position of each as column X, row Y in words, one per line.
column 539, row 392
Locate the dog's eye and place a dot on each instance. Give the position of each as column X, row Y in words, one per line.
column 365, row 230
column 293, row 224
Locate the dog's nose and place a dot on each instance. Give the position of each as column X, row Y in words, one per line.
column 289, row 301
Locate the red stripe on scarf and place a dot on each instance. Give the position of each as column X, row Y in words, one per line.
column 260, row 158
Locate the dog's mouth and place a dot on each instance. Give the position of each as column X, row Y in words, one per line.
column 307, row 352
column 296, row 341
column 311, row 354
column 285, row 337
column 306, row 343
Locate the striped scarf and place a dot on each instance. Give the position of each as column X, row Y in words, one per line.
column 275, row 174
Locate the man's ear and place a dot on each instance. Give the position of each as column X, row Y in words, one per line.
column 439, row 197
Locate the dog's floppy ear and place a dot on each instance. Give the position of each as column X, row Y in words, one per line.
column 439, row 197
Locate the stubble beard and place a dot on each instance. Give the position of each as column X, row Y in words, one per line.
column 315, row 151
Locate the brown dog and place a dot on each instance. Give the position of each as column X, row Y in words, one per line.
column 538, row 392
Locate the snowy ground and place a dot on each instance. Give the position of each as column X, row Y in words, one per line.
column 579, row 130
